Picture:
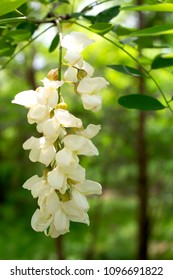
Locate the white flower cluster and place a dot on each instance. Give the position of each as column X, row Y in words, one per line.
column 63, row 188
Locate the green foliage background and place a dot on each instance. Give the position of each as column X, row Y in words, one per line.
column 114, row 215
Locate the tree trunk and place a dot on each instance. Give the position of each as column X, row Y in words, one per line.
column 142, row 162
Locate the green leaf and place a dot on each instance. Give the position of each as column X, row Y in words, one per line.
column 104, row 16
column 29, row 26
column 54, row 43
column 65, row 1
column 122, row 30
column 140, row 102
column 6, row 49
column 18, row 35
column 126, row 70
column 165, row 7
column 108, row 14
column 161, row 62
column 155, row 30
column 7, row 6
column 101, row 27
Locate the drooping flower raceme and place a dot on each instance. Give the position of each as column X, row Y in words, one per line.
column 62, row 189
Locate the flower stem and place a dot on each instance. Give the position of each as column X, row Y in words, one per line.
column 60, row 59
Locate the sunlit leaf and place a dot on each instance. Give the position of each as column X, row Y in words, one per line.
column 54, row 43
column 140, row 102
column 126, row 70
column 7, row 6
column 101, row 27
column 161, row 62
column 155, row 30
column 165, row 7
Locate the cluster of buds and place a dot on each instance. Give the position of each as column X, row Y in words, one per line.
column 63, row 187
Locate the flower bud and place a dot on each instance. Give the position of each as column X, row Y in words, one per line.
column 62, row 106
column 53, row 75
column 81, row 74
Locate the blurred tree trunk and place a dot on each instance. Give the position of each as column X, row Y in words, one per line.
column 142, row 162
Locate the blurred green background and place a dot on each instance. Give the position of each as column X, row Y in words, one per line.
column 114, row 221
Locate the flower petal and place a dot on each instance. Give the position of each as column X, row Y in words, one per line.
column 90, row 131
column 73, row 58
column 71, row 75
column 61, row 221
column 26, row 98
column 40, row 220
column 74, row 213
column 76, row 41
column 89, row 187
column 92, row 102
column 56, row 178
column 65, row 158
column 80, row 200
column 91, row 85
column 80, row 145
column 67, row 119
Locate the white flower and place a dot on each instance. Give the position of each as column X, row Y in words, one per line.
column 67, row 119
column 38, row 186
column 26, row 98
column 42, row 150
column 38, row 113
column 39, row 102
column 50, row 128
column 90, row 131
column 66, row 158
column 88, row 68
column 89, row 187
column 48, row 94
column 57, row 178
column 80, row 200
column 80, row 145
column 70, row 75
column 76, row 41
column 88, row 88
column 41, row 220
column 74, row 58
column 75, row 213
column 91, row 86
column 92, row 102
column 52, row 84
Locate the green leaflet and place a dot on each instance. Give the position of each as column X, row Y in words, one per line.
column 126, row 70
column 54, row 43
column 161, row 62
column 104, row 16
column 19, row 35
column 140, row 102
column 7, row 6
column 101, row 27
column 154, row 31
column 165, row 7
